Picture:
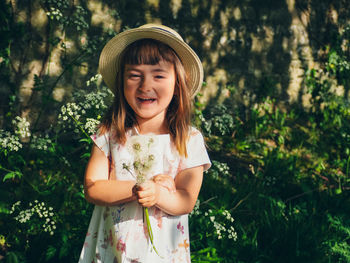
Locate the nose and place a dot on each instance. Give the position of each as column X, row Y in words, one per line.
column 146, row 84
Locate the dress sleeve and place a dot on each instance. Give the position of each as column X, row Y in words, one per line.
column 102, row 142
column 197, row 154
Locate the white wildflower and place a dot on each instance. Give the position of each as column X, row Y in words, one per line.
column 54, row 14
column 196, row 210
column 91, row 125
column 222, row 222
column 142, row 148
column 13, row 207
column 93, row 79
column 40, row 210
column 219, row 170
column 40, row 143
column 9, row 141
column 22, row 127
column 73, row 110
column 79, row 115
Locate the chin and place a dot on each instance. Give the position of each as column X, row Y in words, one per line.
column 149, row 115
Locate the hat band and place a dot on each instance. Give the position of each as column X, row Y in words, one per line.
column 165, row 30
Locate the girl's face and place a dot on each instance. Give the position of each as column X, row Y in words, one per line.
column 149, row 89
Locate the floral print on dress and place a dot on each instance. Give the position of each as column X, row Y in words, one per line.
column 117, row 233
column 180, row 228
column 121, row 245
column 158, row 215
column 117, row 214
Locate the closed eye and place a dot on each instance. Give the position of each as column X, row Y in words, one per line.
column 134, row 76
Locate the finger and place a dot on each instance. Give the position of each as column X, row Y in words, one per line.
column 167, row 183
column 144, row 186
column 147, row 202
column 146, row 193
column 135, row 189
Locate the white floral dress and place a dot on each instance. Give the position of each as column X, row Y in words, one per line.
column 118, row 233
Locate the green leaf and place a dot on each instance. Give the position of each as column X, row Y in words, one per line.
column 11, row 257
column 64, row 248
column 12, row 175
column 50, row 252
column 88, row 140
column 338, row 191
column 85, row 155
column 4, row 210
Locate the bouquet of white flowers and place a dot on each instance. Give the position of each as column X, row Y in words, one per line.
column 141, row 147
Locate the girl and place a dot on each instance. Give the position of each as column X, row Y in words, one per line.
column 153, row 74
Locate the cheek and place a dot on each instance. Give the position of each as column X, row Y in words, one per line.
column 170, row 88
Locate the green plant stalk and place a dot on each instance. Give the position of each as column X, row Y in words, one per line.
column 149, row 230
column 6, row 170
column 79, row 126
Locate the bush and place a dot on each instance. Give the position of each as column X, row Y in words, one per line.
column 283, row 175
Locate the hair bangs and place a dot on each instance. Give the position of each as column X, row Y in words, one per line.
column 148, row 52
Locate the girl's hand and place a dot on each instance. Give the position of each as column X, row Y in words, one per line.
column 147, row 193
column 166, row 181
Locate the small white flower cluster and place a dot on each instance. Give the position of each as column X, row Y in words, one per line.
column 91, row 125
column 70, row 115
column 195, row 210
column 219, row 170
column 74, row 115
column 223, row 168
column 18, row 203
column 22, row 127
column 9, row 142
column 232, row 234
column 39, row 209
column 70, row 109
column 221, row 220
column 143, row 149
column 93, row 79
column 40, row 143
column 54, row 14
column 96, row 100
column 221, row 227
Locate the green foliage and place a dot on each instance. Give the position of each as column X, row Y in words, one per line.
column 66, row 14
column 42, row 195
column 338, row 246
column 283, row 175
column 277, row 175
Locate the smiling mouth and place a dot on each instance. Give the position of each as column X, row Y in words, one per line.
column 146, row 100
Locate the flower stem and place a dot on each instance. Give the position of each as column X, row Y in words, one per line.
column 79, row 126
column 149, row 229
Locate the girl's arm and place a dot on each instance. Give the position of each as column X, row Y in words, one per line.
column 188, row 183
column 98, row 189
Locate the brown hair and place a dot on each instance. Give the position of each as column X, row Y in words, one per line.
column 120, row 117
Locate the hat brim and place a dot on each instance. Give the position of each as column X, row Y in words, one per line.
column 111, row 54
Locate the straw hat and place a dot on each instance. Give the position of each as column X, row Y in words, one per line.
column 109, row 63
